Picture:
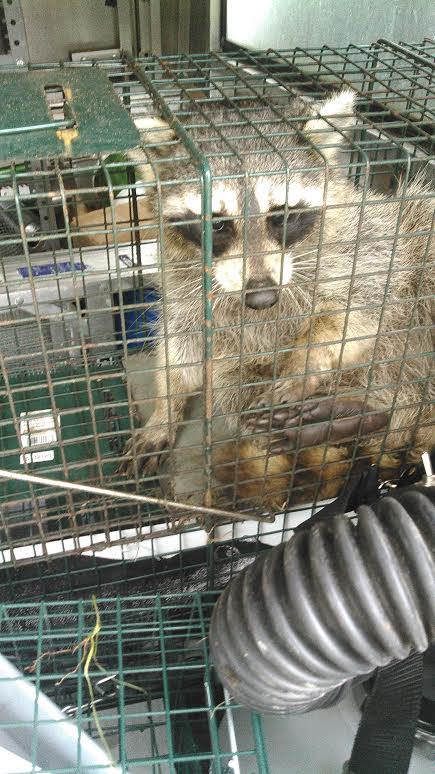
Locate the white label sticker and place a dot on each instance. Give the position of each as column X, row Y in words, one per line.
column 37, row 428
column 7, row 190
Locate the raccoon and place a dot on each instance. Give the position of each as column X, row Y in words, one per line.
column 322, row 297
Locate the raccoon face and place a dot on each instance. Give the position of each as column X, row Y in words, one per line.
column 279, row 219
column 267, row 205
column 257, row 227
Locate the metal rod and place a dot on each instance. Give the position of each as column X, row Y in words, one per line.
column 67, row 123
column 59, row 484
column 429, row 475
column 232, row 733
column 406, row 52
column 427, row 464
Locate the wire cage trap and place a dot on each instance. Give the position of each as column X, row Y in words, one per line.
column 122, row 668
column 126, row 271
column 200, row 280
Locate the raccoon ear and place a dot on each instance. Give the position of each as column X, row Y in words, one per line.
column 337, row 113
column 156, row 134
column 155, row 131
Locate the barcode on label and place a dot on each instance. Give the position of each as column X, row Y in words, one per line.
column 37, row 428
column 38, row 439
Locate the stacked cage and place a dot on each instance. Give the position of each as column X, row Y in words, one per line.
column 165, row 252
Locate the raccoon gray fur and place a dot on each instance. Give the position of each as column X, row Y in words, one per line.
column 319, row 288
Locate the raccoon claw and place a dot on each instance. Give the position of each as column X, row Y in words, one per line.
column 147, row 451
column 312, row 423
column 288, row 393
column 264, row 419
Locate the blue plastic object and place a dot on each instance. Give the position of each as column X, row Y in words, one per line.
column 140, row 322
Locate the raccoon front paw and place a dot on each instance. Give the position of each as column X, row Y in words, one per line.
column 289, row 391
column 319, row 420
column 286, row 396
column 145, row 448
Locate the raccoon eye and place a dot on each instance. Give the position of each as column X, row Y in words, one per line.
column 223, row 235
column 298, row 224
column 223, row 230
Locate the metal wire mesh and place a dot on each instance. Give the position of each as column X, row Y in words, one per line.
column 150, row 678
column 101, row 364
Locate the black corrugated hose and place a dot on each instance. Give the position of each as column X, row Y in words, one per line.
column 294, row 629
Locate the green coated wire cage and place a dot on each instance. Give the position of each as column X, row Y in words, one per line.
column 93, row 288
column 159, row 646
column 140, row 202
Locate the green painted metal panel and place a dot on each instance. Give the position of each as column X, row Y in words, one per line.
column 91, row 415
column 94, row 119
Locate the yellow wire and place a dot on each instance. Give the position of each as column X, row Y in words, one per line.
column 93, row 641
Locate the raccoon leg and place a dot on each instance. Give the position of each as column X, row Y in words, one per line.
column 255, row 480
column 411, row 431
column 149, row 443
column 263, row 477
column 317, row 421
column 251, row 479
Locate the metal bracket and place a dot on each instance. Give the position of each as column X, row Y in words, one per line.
column 140, row 26
column 19, row 50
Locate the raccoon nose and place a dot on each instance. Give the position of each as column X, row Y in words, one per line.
column 261, row 293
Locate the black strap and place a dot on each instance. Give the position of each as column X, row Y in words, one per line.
column 362, row 487
column 385, row 737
